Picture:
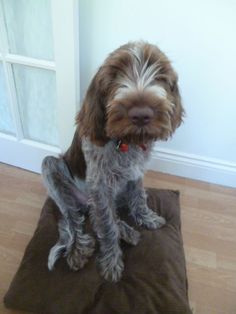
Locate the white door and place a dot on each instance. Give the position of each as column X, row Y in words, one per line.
column 38, row 79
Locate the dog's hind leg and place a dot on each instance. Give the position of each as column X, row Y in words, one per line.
column 76, row 245
column 128, row 233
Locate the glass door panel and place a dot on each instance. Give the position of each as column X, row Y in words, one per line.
column 29, row 28
column 36, row 97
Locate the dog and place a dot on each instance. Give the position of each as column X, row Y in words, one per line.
column 132, row 102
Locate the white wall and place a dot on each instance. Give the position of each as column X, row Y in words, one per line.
column 200, row 39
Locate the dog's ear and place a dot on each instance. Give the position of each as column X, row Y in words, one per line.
column 178, row 110
column 92, row 116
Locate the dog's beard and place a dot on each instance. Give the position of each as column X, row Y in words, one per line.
column 131, row 134
column 138, row 135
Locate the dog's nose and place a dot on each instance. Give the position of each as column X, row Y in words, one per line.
column 140, row 116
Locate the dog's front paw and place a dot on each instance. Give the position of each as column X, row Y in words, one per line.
column 149, row 219
column 79, row 253
column 111, row 266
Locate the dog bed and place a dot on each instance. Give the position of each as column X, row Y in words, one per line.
column 154, row 280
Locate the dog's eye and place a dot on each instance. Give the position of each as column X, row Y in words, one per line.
column 167, row 82
column 163, row 81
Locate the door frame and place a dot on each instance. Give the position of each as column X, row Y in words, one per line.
column 25, row 153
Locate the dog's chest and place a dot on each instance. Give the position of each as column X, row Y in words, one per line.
column 113, row 167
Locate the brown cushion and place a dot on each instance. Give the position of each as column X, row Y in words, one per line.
column 154, row 280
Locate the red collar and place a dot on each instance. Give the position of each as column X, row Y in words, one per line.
column 122, row 147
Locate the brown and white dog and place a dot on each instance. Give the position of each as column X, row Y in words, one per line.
column 132, row 101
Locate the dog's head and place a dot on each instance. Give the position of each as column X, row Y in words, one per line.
column 133, row 97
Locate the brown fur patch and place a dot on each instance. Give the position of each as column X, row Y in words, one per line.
column 74, row 158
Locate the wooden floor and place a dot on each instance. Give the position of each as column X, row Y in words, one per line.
column 208, row 225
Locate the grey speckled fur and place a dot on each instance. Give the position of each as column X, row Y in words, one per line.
column 112, row 177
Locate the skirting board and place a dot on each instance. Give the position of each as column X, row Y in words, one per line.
column 193, row 166
column 28, row 155
column 24, row 154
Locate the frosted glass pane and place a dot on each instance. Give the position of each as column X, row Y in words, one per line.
column 36, row 94
column 29, row 28
column 6, row 123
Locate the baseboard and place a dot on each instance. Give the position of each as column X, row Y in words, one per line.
column 27, row 155
column 194, row 166
column 24, row 154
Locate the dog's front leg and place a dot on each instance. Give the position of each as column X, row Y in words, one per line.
column 103, row 217
column 139, row 210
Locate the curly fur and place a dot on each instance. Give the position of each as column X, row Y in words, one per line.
column 94, row 176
